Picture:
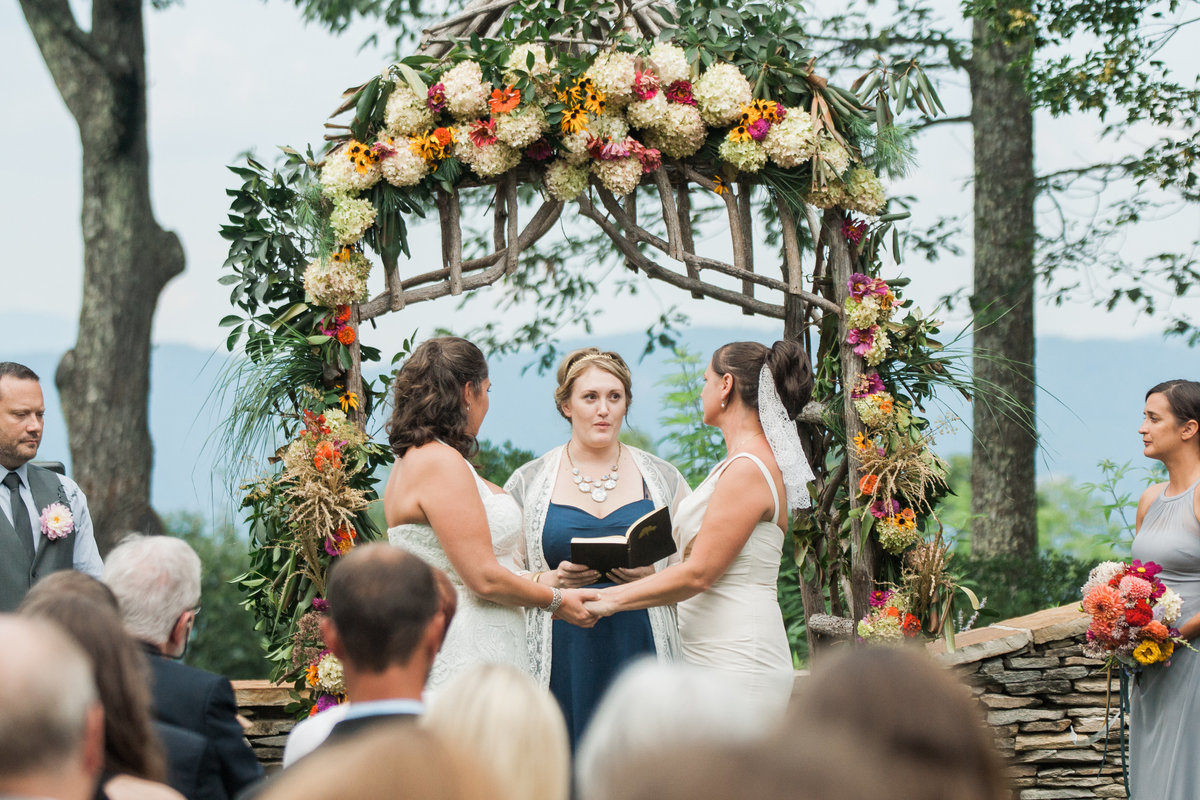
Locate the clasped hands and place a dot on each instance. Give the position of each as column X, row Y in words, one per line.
column 580, row 606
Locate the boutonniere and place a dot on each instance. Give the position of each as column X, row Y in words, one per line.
column 57, row 521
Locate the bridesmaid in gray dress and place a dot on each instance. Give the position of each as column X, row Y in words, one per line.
column 1165, row 713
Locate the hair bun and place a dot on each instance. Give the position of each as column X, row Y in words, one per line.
column 793, row 375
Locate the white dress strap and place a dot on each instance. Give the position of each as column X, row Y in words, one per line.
column 766, row 474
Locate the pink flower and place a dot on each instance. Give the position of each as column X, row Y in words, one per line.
column 1135, row 587
column 1104, row 602
column 885, row 508
column 862, row 339
column 651, row 159
column 879, row 597
column 1145, row 570
column 758, row 129
column 681, row 92
column 859, row 285
column 607, row 150
column 854, row 230
column 57, row 521
column 868, row 384
column 645, row 85
column 320, row 604
column 435, row 100
column 483, row 132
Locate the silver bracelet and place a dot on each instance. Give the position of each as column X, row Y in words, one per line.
column 555, row 601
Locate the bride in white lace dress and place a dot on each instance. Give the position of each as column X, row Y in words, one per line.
column 731, row 529
column 438, row 508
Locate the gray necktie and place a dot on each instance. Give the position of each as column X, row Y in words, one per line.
column 20, row 514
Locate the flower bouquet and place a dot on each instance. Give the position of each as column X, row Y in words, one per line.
column 889, row 620
column 1133, row 615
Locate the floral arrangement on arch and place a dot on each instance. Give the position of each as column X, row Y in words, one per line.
column 320, row 670
column 613, row 121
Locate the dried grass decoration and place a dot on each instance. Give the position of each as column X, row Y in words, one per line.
column 316, row 486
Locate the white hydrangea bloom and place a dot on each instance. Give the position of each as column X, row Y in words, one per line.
column 863, row 313
column 1172, row 606
column 745, row 156
column 406, row 114
column 350, row 219
column 720, row 93
column 790, row 142
column 833, row 195
column 670, row 63
column 522, row 126
column 405, row 167
column 340, row 177
column 487, row 161
column 864, row 190
column 879, row 348
column 645, row 114
column 565, row 181
column 609, row 126
column 833, row 154
column 330, row 676
column 620, row 176
column 574, row 147
column 466, row 94
column 331, row 283
column 613, row 74
column 682, row 133
column 517, row 65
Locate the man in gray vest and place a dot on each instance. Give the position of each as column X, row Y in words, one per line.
column 45, row 525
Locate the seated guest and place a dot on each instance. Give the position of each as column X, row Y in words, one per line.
column 191, row 766
column 501, row 716
column 385, row 624
column 654, row 705
column 157, row 583
column 390, row 761
column 51, row 723
column 134, row 767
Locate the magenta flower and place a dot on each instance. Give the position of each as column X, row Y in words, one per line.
column 320, row 604
column 854, row 230
column 326, row 701
column 879, row 597
column 885, row 508
column 651, row 159
column 758, row 129
column 681, row 92
column 607, row 150
column 645, row 85
column 878, row 286
column 1145, row 570
column 859, row 285
column 862, row 339
column 435, row 101
column 483, row 132
column 867, row 385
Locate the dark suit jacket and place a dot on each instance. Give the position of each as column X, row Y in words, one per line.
column 203, row 702
column 353, row 726
column 192, row 768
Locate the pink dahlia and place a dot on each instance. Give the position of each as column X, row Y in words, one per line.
column 1135, row 587
column 1104, row 602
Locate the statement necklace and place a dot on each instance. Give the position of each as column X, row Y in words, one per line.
column 597, row 488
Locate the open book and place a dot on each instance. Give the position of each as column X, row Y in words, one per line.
column 647, row 540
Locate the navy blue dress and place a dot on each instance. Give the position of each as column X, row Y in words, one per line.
column 585, row 661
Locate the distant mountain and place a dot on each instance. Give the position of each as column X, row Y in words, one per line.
column 1089, row 407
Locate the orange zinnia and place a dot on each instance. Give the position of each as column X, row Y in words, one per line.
column 445, row 136
column 346, row 336
column 504, row 100
column 867, row 483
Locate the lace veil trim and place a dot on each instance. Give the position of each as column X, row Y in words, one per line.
column 784, row 440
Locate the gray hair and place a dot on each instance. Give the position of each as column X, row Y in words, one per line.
column 653, row 706
column 155, row 579
column 45, row 696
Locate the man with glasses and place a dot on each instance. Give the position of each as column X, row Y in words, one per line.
column 157, row 582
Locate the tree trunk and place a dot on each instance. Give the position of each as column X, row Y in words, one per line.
column 1003, row 479
column 104, row 381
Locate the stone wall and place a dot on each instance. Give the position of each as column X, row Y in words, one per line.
column 1045, row 702
column 262, row 704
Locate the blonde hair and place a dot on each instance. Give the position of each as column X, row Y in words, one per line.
column 498, row 715
column 580, row 360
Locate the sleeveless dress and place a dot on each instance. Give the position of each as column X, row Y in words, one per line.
column 736, row 625
column 585, row 661
column 481, row 632
column 1165, row 701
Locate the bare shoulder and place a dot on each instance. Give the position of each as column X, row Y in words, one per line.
column 127, row 787
column 433, row 457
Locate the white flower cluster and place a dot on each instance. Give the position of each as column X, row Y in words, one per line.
column 331, row 283
column 670, row 63
column 790, row 142
column 574, row 147
column 1169, row 606
column 720, row 93
column 566, row 181
column 620, row 175
column 350, row 219
column 650, row 113
column 1101, row 574
column 878, row 349
column 613, row 74
column 330, row 676
column 744, row 156
column 487, row 161
column 405, row 167
column 864, row 191
column 339, row 176
column 406, row 114
column 522, row 126
column 831, row 151
column 609, row 126
column 863, row 313
column 466, row 95
column 681, row 133
column 517, row 65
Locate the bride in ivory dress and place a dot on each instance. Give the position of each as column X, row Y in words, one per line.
column 438, row 508
column 731, row 529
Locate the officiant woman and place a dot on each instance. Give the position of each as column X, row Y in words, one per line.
column 594, row 485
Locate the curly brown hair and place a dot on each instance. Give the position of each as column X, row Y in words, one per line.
column 428, row 398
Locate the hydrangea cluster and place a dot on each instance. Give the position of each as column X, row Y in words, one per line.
column 868, row 309
column 720, row 94
column 898, row 531
column 466, row 94
column 406, row 114
column 889, row 620
column 350, row 219
column 613, row 74
column 517, row 65
column 670, row 63
column 338, row 280
column 566, row 181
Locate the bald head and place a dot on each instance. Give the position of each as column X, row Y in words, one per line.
column 381, row 600
column 46, row 697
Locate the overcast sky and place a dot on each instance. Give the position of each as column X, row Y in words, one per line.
column 226, row 76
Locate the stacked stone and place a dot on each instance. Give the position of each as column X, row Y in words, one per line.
column 263, row 704
column 1045, row 702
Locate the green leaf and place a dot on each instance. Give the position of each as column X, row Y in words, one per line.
column 229, row 319
column 317, row 339
column 413, row 79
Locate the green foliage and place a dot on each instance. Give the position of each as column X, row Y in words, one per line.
column 224, row 640
column 1012, row 586
column 693, row 447
column 496, row 462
